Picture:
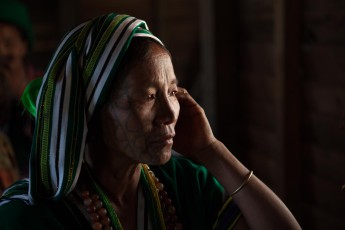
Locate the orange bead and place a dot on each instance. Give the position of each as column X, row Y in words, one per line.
column 94, row 217
column 160, row 186
column 164, row 193
column 85, row 194
column 102, row 212
column 167, row 201
column 105, row 221
column 97, row 226
column 91, row 208
column 171, row 209
column 98, row 204
column 95, row 197
column 87, row 201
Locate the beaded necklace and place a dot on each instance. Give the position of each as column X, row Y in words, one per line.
column 103, row 216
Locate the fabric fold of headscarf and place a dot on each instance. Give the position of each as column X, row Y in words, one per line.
column 76, row 82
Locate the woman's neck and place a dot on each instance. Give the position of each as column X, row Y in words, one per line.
column 120, row 184
column 120, row 187
column 119, row 177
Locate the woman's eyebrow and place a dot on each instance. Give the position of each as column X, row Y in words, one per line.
column 174, row 81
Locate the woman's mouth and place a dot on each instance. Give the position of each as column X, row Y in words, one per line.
column 163, row 140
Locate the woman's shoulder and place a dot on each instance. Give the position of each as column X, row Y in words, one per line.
column 14, row 208
column 18, row 214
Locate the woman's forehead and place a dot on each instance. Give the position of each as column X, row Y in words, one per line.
column 157, row 68
column 148, row 66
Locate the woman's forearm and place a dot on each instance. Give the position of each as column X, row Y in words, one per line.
column 261, row 208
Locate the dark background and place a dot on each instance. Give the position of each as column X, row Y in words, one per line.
column 270, row 75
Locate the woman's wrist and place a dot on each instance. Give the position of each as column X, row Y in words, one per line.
column 204, row 153
column 213, row 149
column 222, row 164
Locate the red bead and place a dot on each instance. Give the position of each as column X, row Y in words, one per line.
column 160, row 186
column 94, row 217
column 87, row 201
column 164, row 193
column 171, row 209
column 167, row 201
column 105, row 221
column 97, row 226
column 98, row 204
column 102, row 212
column 85, row 194
column 95, row 197
column 91, row 208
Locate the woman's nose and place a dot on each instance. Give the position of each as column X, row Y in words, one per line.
column 167, row 111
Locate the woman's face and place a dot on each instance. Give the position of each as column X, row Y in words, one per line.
column 12, row 46
column 139, row 121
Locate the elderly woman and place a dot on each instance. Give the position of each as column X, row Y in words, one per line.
column 102, row 155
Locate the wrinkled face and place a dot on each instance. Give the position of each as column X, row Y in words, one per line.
column 139, row 121
column 13, row 47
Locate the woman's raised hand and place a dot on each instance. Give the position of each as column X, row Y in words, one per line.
column 193, row 131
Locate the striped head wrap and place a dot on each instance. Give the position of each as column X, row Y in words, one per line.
column 76, row 82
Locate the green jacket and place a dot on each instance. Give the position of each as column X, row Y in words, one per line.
column 197, row 196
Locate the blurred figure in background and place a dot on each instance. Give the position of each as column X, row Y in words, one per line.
column 8, row 167
column 16, row 41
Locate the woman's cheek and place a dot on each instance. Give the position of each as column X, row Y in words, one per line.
column 139, row 143
column 138, row 127
column 117, row 126
column 132, row 128
column 114, row 132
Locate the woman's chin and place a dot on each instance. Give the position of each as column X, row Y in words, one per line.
column 160, row 157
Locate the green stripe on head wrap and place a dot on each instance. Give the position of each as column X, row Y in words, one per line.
column 76, row 82
column 16, row 13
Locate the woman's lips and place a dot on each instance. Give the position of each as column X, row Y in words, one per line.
column 164, row 140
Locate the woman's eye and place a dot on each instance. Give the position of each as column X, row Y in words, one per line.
column 173, row 93
column 151, row 97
